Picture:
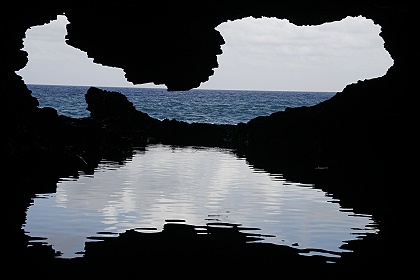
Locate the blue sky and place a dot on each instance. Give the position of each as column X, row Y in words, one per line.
column 259, row 54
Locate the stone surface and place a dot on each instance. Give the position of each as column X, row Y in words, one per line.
column 365, row 135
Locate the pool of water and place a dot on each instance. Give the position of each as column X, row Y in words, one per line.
column 197, row 185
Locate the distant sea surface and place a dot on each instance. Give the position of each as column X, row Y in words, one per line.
column 197, row 105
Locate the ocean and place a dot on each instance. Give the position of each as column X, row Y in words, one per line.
column 197, row 105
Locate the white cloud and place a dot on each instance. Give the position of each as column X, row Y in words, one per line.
column 52, row 61
column 273, row 54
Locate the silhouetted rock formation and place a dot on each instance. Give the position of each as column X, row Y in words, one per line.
column 104, row 105
column 365, row 135
column 118, row 117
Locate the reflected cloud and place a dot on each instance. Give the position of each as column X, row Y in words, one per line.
column 199, row 186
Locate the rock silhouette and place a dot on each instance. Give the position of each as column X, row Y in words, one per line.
column 363, row 138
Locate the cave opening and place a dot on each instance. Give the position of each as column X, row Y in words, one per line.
column 259, row 54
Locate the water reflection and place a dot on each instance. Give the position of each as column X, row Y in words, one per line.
column 199, row 186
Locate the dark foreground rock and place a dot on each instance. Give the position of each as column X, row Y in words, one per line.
column 188, row 250
column 181, row 250
column 214, row 250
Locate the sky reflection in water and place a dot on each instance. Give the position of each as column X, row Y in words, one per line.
column 195, row 185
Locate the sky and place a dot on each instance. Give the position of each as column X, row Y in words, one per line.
column 259, row 54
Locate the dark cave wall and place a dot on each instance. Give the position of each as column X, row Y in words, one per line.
column 365, row 134
column 368, row 129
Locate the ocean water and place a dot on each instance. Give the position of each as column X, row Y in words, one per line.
column 203, row 106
